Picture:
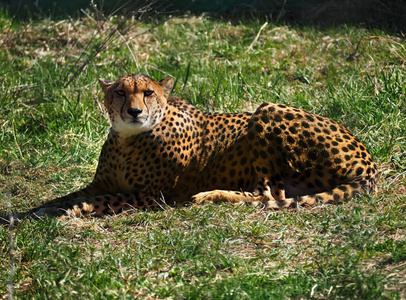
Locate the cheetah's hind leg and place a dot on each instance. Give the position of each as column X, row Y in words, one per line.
column 241, row 197
column 216, row 196
column 262, row 200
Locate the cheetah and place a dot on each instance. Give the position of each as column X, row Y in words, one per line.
column 161, row 149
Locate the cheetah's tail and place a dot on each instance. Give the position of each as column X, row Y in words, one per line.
column 11, row 219
column 335, row 195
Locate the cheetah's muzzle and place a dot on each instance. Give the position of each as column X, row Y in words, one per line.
column 134, row 112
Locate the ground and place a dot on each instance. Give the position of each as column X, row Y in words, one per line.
column 51, row 136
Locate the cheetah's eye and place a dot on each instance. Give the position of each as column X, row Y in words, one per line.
column 148, row 93
column 120, row 93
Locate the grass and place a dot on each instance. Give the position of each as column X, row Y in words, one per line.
column 51, row 134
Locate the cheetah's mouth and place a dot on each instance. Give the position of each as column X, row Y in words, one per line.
column 135, row 121
column 140, row 119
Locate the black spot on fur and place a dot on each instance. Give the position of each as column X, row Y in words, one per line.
column 292, row 130
column 259, row 128
column 289, row 116
column 359, row 171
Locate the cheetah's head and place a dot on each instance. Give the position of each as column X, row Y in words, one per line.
column 135, row 103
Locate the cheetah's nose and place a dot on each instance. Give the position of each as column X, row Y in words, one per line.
column 134, row 112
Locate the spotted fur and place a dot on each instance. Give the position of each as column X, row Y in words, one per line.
column 162, row 149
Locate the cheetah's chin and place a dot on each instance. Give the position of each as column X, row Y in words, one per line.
column 132, row 128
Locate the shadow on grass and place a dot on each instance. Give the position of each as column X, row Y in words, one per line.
column 316, row 13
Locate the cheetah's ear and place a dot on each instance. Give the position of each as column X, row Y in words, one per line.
column 167, row 85
column 105, row 84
